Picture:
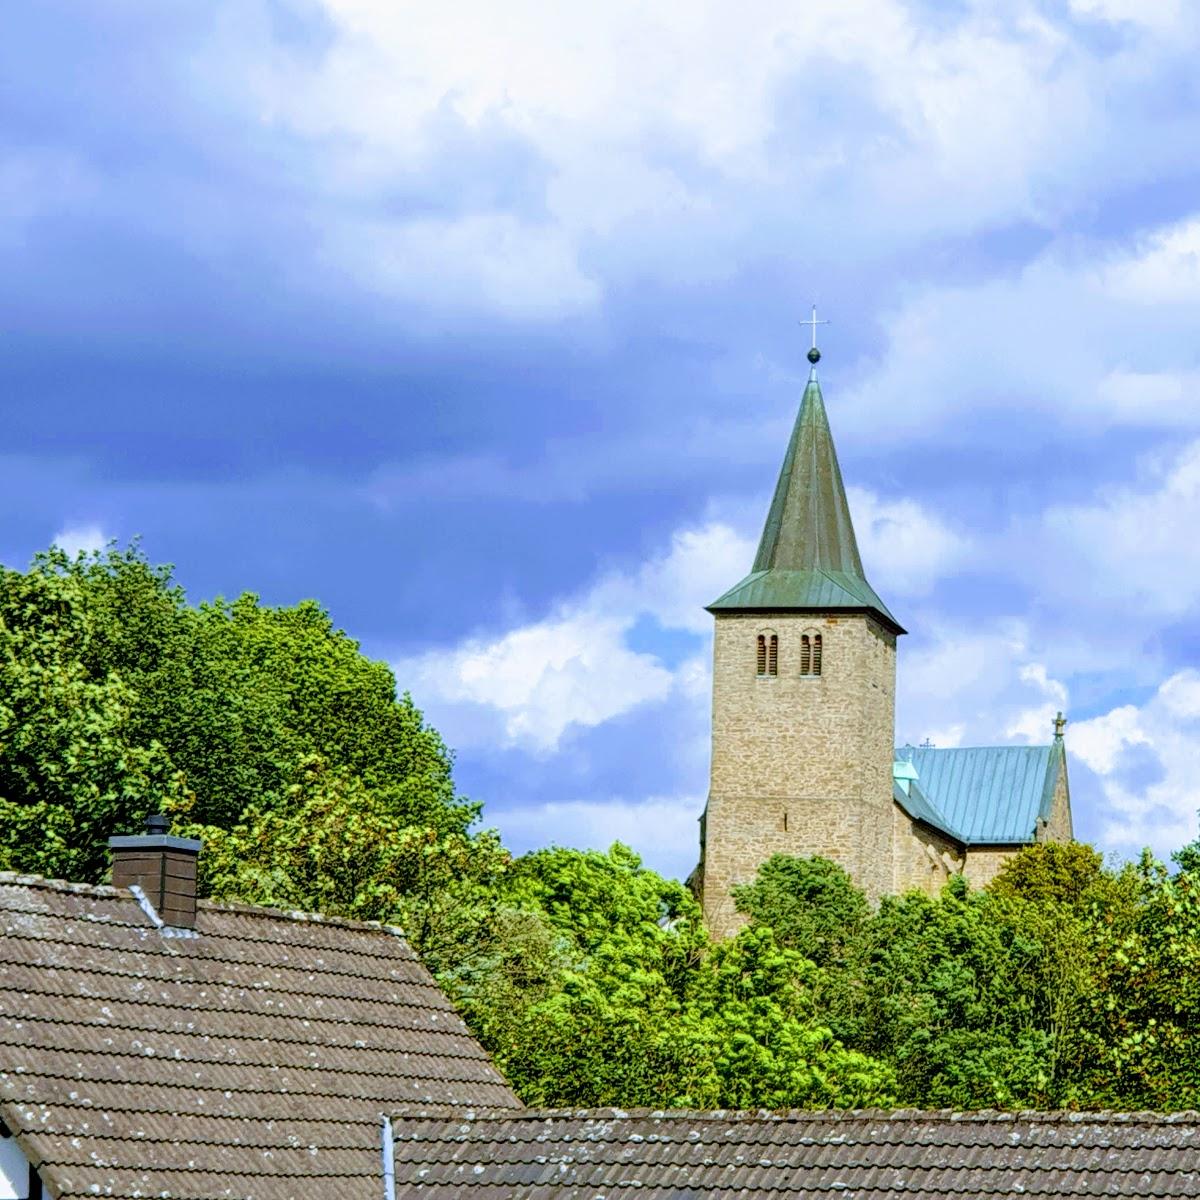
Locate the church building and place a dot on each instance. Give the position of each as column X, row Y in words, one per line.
column 803, row 720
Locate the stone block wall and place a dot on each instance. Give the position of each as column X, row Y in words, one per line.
column 923, row 859
column 1059, row 827
column 800, row 764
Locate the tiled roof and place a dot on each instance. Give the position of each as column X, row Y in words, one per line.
column 983, row 795
column 253, row 1060
column 605, row 1154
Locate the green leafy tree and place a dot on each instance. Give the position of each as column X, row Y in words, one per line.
column 947, row 1001
column 616, row 944
column 71, row 767
column 810, row 903
column 751, row 1037
column 1052, row 873
column 119, row 694
column 1146, row 1000
column 337, row 847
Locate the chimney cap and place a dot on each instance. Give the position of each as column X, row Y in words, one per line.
column 154, row 841
column 156, row 837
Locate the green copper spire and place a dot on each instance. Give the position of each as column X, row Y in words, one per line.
column 808, row 557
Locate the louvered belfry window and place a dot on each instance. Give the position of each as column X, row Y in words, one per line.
column 773, row 656
column 810, row 654
column 762, row 654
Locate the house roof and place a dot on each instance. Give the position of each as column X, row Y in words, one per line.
column 253, row 1060
column 808, row 556
column 546, row 1155
column 983, row 795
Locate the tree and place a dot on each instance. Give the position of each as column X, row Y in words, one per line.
column 948, row 1000
column 810, row 903
column 337, row 847
column 751, row 1037
column 1146, row 999
column 225, row 701
column 71, row 768
column 1055, row 873
column 615, row 944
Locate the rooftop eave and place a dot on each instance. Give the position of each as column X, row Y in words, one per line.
column 813, row 592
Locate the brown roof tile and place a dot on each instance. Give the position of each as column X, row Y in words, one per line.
column 252, row 1061
column 602, row 1154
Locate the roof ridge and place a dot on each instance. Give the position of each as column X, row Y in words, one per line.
column 106, row 890
column 1042, row 1116
column 24, row 879
column 996, row 746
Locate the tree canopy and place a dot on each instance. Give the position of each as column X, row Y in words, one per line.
column 118, row 698
column 590, row 978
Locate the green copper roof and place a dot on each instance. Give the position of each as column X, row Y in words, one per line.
column 983, row 795
column 808, row 556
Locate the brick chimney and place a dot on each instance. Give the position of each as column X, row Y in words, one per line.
column 163, row 866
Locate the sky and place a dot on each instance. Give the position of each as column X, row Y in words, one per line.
column 478, row 323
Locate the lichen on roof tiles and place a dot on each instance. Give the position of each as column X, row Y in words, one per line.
column 873, row 1155
column 252, row 1061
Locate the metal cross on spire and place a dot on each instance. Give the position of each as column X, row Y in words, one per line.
column 814, row 355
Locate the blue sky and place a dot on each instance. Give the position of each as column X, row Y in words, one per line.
column 478, row 323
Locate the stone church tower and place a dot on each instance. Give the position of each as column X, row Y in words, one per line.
column 804, row 685
column 803, row 720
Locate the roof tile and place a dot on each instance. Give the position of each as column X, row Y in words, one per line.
column 252, row 1060
column 549, row 1155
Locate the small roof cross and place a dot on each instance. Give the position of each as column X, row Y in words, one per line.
column 814, row 355
column 1060, row 723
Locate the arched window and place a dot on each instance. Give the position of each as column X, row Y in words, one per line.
column 810, row 654
column 767, row 654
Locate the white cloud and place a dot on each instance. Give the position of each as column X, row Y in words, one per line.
column 662, row 829
column 1134, row 545
column 81, row 539
column 660, row 142
column 1080, row 338
column 975, row 686
column 574, row 668
column 1157, row 806
column 907, row 548
column 1165, row 268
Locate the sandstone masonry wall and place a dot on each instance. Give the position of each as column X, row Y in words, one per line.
column 1059, row 827
column 922, row 858
column 800, row 764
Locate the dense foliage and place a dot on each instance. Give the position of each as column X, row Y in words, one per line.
column 117, row 699
column 591, row 979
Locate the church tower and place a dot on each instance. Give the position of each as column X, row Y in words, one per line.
column 804, row 685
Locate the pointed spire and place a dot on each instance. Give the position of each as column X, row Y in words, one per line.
column 808, row 555
column 808, row 526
